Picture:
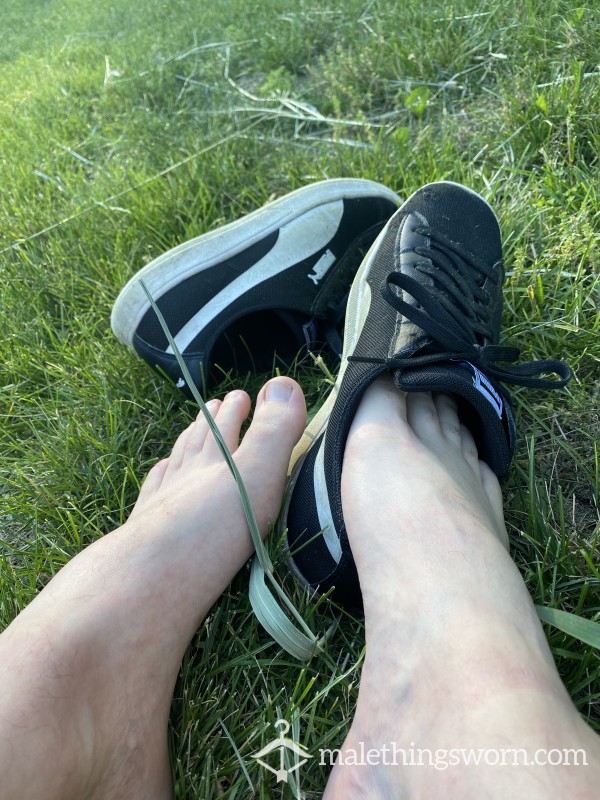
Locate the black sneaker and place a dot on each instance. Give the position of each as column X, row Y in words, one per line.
column 426, row 306
column 276, row 280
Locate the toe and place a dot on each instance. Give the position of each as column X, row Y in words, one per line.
column 199, row 429
column 447, row 411
column 469, row 448
column 265, row 451
column 493, row 491
column 381, row 412
column 194, row 434
column 379, row 428
column 231, row 414
column 151, row 484
column 176, row 455
column 422, row 416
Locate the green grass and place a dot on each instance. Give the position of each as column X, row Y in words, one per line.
column 126, row 128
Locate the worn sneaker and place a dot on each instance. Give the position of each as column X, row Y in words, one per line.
column 276, row 280
column 426, row 306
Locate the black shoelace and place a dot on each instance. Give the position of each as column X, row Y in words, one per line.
column 456, row 314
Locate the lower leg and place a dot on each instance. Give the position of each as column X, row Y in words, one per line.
column 87, row 671
column 456, row 657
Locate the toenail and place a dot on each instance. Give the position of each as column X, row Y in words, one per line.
column 235, row 395
column 278, row 391
column 211, row 406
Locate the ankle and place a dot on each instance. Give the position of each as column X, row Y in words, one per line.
column 443, row 591
column 472, row 657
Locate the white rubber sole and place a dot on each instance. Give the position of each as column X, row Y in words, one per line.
column 211, row 248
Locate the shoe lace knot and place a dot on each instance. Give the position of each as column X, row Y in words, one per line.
column 453, row 309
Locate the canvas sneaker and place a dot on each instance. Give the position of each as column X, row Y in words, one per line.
column 274, row 281
column 425, row 306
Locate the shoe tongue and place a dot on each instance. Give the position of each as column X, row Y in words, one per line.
column 481, row 407
column 461, row 216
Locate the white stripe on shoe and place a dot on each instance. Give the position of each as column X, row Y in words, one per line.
column 330, row 536
column 290, row 248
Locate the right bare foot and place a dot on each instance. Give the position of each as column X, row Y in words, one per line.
column 456, row 657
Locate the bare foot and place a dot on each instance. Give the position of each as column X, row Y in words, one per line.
column 455, row 657
column 87, row 670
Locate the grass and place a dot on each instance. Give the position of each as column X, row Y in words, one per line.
column 126, row 128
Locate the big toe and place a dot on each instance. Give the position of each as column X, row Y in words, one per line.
column 379, row 422
column 264, row 454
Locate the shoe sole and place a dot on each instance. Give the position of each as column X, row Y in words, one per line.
column 211, row 248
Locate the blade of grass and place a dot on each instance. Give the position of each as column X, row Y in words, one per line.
column 586, row 630
column 238, row 755
column 274, row 621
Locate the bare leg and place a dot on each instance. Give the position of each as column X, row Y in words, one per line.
column 456, row 657
column 87, row 670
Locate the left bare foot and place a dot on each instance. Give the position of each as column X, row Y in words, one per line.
column 87, row 670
